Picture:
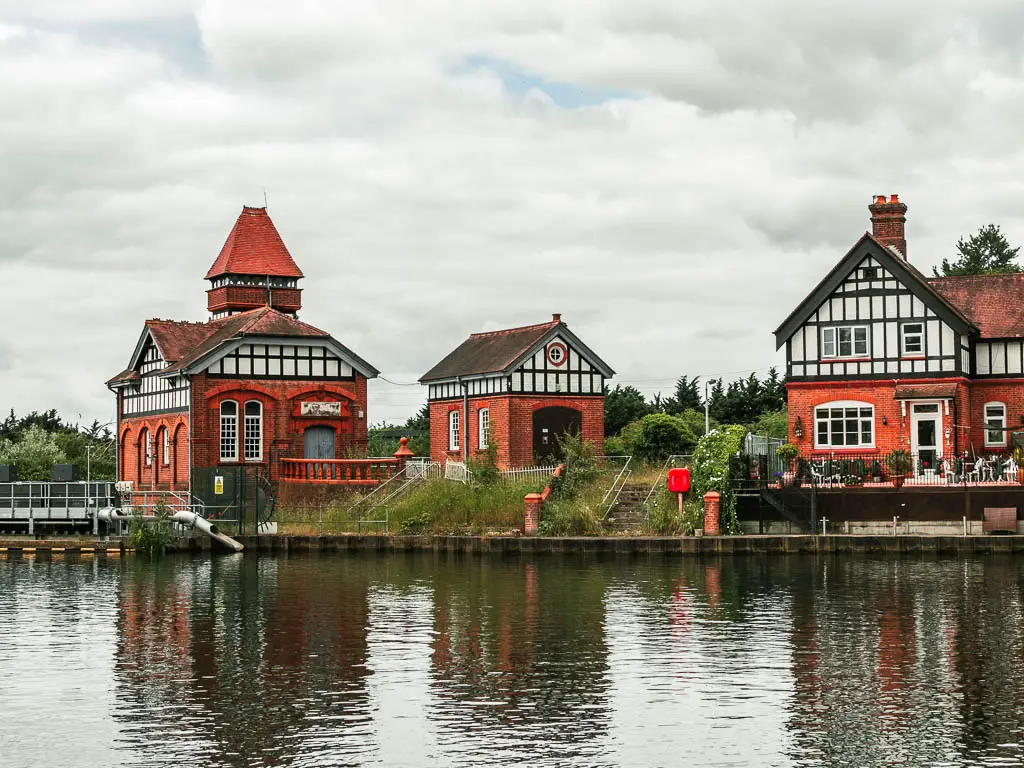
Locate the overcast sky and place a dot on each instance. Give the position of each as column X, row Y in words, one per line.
column 673, row 176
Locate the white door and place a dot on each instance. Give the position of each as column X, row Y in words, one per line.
column 926, row 436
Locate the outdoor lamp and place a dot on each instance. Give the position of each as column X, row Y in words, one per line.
column 885, row 420
column 798, row 428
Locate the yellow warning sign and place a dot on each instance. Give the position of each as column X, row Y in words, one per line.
column 218, row 485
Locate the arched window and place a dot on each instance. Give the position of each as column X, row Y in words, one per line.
column 995, row 424
column 253, row 442
column 229, row 431
column 166, row 447
column 453, row 431
column 844, row 424
column 484, row 426
column 147, row 447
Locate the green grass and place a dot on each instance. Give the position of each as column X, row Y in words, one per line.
column 442, row 506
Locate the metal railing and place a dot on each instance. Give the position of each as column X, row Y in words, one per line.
column 611, row 496
column 919, row 468
column 33, row 503
column 672, row 462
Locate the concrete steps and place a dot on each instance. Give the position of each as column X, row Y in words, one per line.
column 629, row 511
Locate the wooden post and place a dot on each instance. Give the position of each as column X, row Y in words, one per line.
column 680, row 504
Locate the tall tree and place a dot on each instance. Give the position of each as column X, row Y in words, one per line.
column 686, row 396
column 623, row 405
column 986, row 252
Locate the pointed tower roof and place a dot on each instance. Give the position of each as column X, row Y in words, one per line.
column 254, row 247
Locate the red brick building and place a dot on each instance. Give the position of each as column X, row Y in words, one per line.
column 251, row 386
column 880, row 356
column 519, row 388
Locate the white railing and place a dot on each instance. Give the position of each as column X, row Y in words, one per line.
column 457, row 471
column 523, row 473
column 423, row 468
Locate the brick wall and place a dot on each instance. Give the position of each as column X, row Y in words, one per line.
column 156, row 475
column 1010, row 392
column 283, row 426
column 965, row 418
column 511, row 425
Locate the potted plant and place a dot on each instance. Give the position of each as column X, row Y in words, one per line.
column 898, row 461
column 1018, row 457
column 787, row 452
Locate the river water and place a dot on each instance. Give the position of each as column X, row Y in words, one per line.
column 417, row 660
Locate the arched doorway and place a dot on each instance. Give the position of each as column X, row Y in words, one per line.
column 319, row 443
column 548, row 425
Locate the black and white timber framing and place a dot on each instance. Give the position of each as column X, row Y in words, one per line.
column 910, row 330
column 281, row 361
column 580, row 374
column 153, row 393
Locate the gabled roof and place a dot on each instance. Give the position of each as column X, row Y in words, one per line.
column 994, row 303
column 254, row 247
column 903, row 270
column 183, row 344
column 503, row 351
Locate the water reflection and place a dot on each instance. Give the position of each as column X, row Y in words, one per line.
column 417, row 660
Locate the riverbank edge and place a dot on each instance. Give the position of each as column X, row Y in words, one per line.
column 528, row 545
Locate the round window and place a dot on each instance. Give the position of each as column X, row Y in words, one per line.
column 557, row 353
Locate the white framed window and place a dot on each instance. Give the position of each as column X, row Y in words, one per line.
column 453, row 431
column 844, row 341
column 995, row 424
column 844, row 424
column 484, row 426
column 913, row 339
column 229, row 431
column 253, row 437
column 166, row 447
column 149, row 448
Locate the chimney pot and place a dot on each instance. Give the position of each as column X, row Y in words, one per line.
column 556, row 318
column 888, row 222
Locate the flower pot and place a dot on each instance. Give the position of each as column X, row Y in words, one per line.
column 899, row 480
column 698, row 532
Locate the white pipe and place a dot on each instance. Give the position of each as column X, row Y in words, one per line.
column 187, row 519
column 965, row 525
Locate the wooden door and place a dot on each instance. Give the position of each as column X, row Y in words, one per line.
column 319, row 443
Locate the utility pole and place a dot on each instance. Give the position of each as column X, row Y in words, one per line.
column 707, row 408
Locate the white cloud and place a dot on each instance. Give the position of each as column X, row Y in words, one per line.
column 673, row 228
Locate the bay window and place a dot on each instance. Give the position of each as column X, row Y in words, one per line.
column 844, row 341
column 846, row 424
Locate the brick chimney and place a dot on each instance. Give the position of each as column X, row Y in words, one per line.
column 889, row 221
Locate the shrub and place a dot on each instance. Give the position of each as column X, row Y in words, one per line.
column 661, row 436
column 615, row 446
column 710, row 470
column 569, row 517
column 151, row 537
column 34, row 454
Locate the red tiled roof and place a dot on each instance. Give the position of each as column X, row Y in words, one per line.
column 994, row 303
column 489, row 352
column 254, row 247
column 924, row 391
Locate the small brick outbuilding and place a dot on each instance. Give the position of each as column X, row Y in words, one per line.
column 519, row 388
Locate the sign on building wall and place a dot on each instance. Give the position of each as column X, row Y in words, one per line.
column 321, row 409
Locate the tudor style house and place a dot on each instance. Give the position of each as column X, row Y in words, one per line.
column 880, row 356
column 520, row 389
column 252, row 387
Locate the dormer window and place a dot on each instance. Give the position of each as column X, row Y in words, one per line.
column 844, row 341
